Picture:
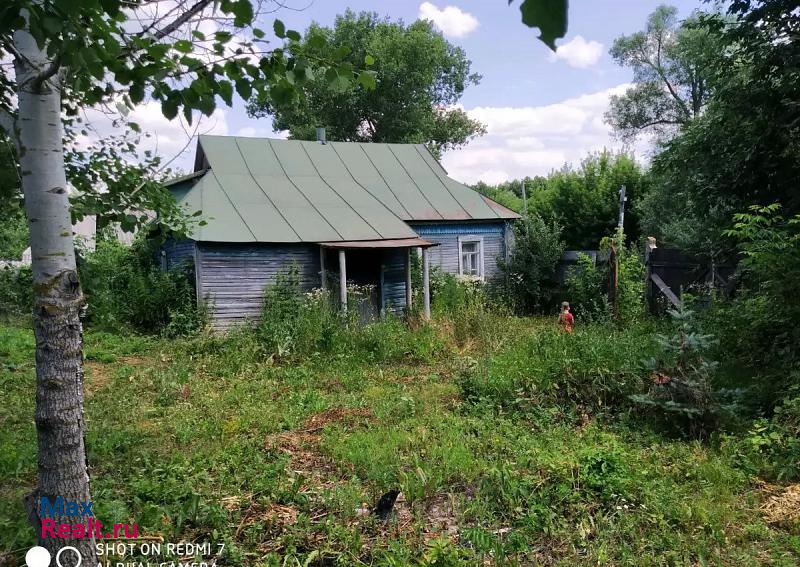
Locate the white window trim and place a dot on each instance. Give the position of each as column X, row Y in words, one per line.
column 468, row 238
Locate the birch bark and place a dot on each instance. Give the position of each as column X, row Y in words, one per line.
column 60, row 423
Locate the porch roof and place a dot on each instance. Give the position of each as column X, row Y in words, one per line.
column 389, row 243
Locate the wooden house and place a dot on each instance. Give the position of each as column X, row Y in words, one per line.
column 340, row 211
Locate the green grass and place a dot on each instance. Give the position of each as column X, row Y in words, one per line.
column 512, row 446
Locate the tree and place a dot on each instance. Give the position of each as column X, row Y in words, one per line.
column 530, row 270
column 107, row 52
column 671, row 63
column 743, row 149
column 583, row 200
column 419, row 76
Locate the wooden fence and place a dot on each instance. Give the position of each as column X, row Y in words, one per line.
column 670, row 272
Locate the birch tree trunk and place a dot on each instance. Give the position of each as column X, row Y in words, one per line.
column 60, row 424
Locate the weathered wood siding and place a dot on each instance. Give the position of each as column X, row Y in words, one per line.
column 176, row 252
column 394, row 280
column 232, row 277
column 447, row 234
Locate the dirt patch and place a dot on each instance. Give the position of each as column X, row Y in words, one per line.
column 100, row 374
column 302, row 445
column 97, row 376
column 347, row 416
column 782, row 508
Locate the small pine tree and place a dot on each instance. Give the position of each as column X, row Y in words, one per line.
column 681, row 389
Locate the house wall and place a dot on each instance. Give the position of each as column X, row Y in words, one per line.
column 232, row 277
column 446, row 255
column 173, row 252
column 394, row 280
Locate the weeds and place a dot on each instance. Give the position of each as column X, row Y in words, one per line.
column 511, row 444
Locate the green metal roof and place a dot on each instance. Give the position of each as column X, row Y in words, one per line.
column 268, row 190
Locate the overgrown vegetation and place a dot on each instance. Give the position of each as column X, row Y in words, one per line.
column 583, row 200
column 511, row 441
column 530, row 270
column 126, row 288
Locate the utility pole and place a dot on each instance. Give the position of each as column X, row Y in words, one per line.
column 622, row 199
column 524, row 199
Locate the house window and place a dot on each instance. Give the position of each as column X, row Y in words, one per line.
column 471, row 256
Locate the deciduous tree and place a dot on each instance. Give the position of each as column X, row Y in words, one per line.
column 68, row 54
column 671, row 63
column 419, row 77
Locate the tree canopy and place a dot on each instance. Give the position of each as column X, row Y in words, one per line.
column 419, row 76
column 744, row 148
column 671, row 62
column 583, row 200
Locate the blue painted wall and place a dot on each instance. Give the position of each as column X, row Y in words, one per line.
column 445, row 256
column 174, row 252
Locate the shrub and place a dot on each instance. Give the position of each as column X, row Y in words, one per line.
column 776, row 441
column 530, row 271
column 681, row 390
column 585, row 289
column 295, row 324
column 125, row 288
column 16, row 291
column 593, row 368
column 630, row 306
column 293, row 321
column 761, row 324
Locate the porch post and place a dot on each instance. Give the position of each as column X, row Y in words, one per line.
column 426, row 286
column 323, row 273
column 343, row 280
column 409, row 293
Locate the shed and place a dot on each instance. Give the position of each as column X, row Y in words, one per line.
column 357, row 210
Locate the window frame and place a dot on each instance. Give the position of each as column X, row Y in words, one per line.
column 468, row 239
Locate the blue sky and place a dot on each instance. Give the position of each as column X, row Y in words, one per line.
column 541, row 110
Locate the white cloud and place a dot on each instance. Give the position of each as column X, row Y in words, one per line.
column 579, row 53
column 452, row 20
column 534, row 140
column 173, row 140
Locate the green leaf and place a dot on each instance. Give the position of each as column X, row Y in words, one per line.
column 341, row 52
column 367, row 79
column 244, row 88
column 225, row 90
column 550, row 16
column 136, row 92
column 135, row 127
column 199, row 35
column 294, row 35
column 279, row 28
column 316, row 41
column 242, row 13
column 183, row 45
column 369, row 60
column 258, row 33
column 51, row 25
column 169, row 108
column 157, row 51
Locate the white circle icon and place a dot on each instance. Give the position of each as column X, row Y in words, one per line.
column 62, row 550
column 37, row 557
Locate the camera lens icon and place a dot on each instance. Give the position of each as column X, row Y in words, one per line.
column 39, row 557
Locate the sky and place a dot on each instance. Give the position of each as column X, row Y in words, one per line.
column 542, row 110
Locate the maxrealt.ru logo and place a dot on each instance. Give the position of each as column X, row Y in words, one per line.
column 89, row 526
